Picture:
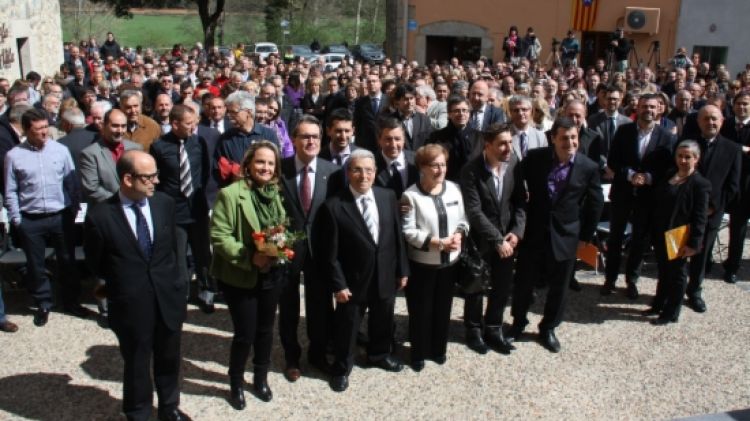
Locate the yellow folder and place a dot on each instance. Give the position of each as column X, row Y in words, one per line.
column 675, row 239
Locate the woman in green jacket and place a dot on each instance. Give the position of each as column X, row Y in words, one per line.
column 249, row 279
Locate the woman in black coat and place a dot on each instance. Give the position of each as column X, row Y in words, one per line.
column 681, row 199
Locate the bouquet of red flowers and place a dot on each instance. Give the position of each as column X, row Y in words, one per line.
column 277, row 242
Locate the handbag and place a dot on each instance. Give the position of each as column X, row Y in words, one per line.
column 474, row 277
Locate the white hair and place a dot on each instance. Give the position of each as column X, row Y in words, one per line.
column 74, row 117
column 242, row 98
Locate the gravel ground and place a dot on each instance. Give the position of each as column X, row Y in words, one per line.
column 613, row 365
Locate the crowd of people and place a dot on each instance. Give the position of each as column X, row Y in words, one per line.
column 392, row 175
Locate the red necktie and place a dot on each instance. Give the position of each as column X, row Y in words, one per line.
column 305, row 194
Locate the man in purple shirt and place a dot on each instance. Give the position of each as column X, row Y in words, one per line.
column 41, row 194
column 565, row 202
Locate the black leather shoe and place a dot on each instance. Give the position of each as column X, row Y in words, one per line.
column 262, row 391
column 661, row 321
column 697, row 304
column 77, row 310
column 514, row 333
column 205, row 307
column 440, row 359
column 575, row 285
column 607, row 289
column 41, row 317
column 388, row 364
column 417, row 365
column 632, row 291
column 339, row 383
column 237, row 397
column 174, row 415
column 730, row 278
column 494, row 338
column 475, row 342
column 549, row 340
column 651, row 311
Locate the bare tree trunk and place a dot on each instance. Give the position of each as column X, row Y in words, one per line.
column 391, row 28
column 209, row 20
column 356, row 28
column 374, row 18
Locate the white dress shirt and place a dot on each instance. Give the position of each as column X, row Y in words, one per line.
column 130, row 215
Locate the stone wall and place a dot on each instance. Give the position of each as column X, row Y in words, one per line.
column 38, row 21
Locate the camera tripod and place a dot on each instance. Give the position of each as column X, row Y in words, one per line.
column 654, row 54
column 553, row 55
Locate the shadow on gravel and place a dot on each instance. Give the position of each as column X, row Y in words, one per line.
column 51, row 396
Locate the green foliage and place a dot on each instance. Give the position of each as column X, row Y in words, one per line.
column 163, row 31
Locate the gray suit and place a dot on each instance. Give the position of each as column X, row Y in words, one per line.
column 99, row 179
column 535, row 139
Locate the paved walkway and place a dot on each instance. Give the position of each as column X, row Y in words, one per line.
column 613, row 366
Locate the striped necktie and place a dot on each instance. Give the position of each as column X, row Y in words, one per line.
column 186, row 180
column 369, row 218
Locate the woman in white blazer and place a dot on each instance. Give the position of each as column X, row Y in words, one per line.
column 434, row 227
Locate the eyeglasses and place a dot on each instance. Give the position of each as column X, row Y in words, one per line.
column 307, row 136
column 146, row 177
column 437, row 165
column 460, row 110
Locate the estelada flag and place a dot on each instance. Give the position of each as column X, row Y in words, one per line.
column 583, row 14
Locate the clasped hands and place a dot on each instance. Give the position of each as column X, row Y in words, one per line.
column 508, row 246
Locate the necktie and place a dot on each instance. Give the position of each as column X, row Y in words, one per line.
column 369, row 218
column 397, row 183
column 305, row 193
column 375, row 105
column 186, row 180
column 523, row 143
column 475, row 120
column 611, row 129
column 141, row 230
column 337, row 160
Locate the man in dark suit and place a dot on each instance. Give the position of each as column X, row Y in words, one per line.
column 183, row 163
column 306, row 182
column 77, row 138
column 738, row 130
column 683, row 104
column 216, row 115
column 395, row 165
column 606, row 124
column 589, row 141
column 462, row 141
column 640, row 155
column 417, row 126
column 131, row 243
column 494, row 198
column 340, row 130
column 363, row 256
column 721, row 164
column 483, row 114
column 210, row 137
column 565, row 202
column 366, row 111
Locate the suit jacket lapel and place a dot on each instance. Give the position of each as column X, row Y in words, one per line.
column 247, row 210
column 107, row 158
column 290, row 180
column 123, row 223
column 319, row 192
column 351, row 209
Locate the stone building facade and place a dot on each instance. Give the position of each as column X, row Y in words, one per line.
column 30, row 37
